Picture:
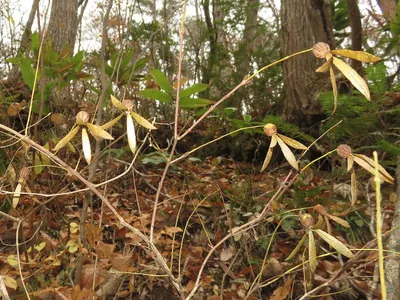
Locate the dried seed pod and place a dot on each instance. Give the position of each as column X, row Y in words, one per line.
column 307, row 220
column 82, row 117
column 344, row 151
column 321, row 49
column 128, row 104
column 24, row 174
column 270, row 129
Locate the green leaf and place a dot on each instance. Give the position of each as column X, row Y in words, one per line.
column 35, row 41
column 161, row 80
column 246, row 118
column 196, row 88
column 78, row 57
column 194, row 102
column 156, row 95
column 28, row 73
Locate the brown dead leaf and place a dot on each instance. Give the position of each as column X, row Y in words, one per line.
column 104, row 250
column 122, row 262
column 93, row 234
column 14, row 109
column 283, row 291
column 227, row 253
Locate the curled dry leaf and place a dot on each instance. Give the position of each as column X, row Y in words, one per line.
column 227, row 253
column 335, row 243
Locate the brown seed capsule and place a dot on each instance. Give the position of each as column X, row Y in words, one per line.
column 24, row 173
column 344, row 150
column 82, row 117
column 320, row 209
column 307, row 220
column 270, row 129
column 321, row 49
column 128, row 104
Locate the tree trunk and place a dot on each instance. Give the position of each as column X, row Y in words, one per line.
column 356, row 31
column 63, row 24
column 303, row 23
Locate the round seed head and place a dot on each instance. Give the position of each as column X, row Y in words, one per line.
column 270, row 129
column 307, row 220
column 128, row 104
column 321, row 49
column 344, row 150
column 82, row 117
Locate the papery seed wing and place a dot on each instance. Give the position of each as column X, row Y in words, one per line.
column 111, row 123
column 87, row 152
column 335, row 243
column 142, row 121
column 357, row 55
column 288, row 154
column 66, row 138
column 118, row 104
column 292, row 143
column 131, row 133
column 267, row 159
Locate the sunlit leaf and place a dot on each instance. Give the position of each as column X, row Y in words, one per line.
column 194, row 102
column 365, row 165
column 40, row 246
column 292, row 143
column 312, row 253
column 357, row 55
column 161, row 80
column 358, row 82
column 387, row 177
column 66, row 139
column 295, row 250
column 353, row 188
column 142, row 121
column 334, row 89
column 288, row 154
column 17, row 194
column 196, row 88
column 87, row 153
column 274, row 141
column 156, row 95
column 99, row 132
column 111, row 123
column 335, row 243
column 12, row 260
column 182, row 82
column 131, row 133
column 9, row 282
column 267, row 159
column 118, row 104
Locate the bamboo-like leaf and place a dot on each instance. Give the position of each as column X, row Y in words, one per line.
column 296, row 249
column 267, row 159
column 17, row 195
column 335, row 243
column 99, row 132
column 340, row 221
column 353, row 188
column 334, row 89
column 131, row 133
column 358, row 82
column 381, row 169
column 312, row 253
column 87, row 152
column 142, row 121
column 357, row 55
column 292, row 143
column 66, row 138
column 324, row 67
column 350, row 162
column 288, row 154
column 118, row 104
column 111, row 123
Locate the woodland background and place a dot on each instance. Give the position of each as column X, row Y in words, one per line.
column 174, row 200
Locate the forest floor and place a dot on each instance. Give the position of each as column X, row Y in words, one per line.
column 201, row 201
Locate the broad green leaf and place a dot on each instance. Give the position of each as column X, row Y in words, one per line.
column 35, row 41
column 131, row 133
column 161, row 80
column 292, row 143
column 87, row 153
column 295, row 250
column 99, row 132
column 142, row 121
column 196, row 88
column 353, row 188
column 335, row 243
column 267, row 159
column 118, row 104
column 194, row 102
column 312, row 252
column 358, row 82
column 334, row 89
column 28, row 73
column 357, row 55
column 368, row 163
column 156, row 95
column 111, row 123
column 66, row 139
column 247, row 118
column 288, row 154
